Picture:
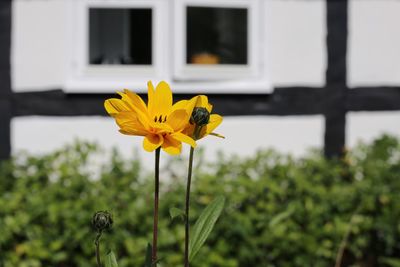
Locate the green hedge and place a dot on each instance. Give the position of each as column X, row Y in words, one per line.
column 280, row 211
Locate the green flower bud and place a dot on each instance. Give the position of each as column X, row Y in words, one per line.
column 200, row 116
column 102, row 220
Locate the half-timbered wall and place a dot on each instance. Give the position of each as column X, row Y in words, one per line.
column 333, row 66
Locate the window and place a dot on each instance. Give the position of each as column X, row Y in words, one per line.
column 219, row 39
column 116, row 44
column 120, row 36
column 216, row 40
column 208, row 45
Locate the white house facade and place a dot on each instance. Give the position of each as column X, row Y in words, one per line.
column 256, row 46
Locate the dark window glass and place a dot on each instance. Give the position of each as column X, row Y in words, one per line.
column 120, row 36
column 216, row 35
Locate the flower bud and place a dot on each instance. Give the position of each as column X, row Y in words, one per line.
column 200, row 116
column 102, row 220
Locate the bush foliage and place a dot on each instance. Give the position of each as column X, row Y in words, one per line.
column 280, row 211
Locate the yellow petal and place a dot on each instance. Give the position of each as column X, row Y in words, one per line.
column 129, row 120
column 202, row 101
column 143, row 118
column 126, row 100
column 113, row 106
column 184, row 138
column 189, row 129
column 215, row 120
column 159, row 128
column 171, row 145
column 180, row 105
column 152, row 141
column 134, row 109
column 136, row 101
column 178, row 119
column 209, row 107
column 137, row 120
column 132, row 131
column 150, row 98
column 188, row 105
column 162, row 102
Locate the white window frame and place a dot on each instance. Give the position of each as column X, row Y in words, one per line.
column 82, row 75
column 184, row 71
column 167, row 62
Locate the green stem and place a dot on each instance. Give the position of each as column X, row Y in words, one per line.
column 156, row 200
column 189, row 180
column 97, row 243
column 345, row 240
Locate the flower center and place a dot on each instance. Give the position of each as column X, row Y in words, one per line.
column 160, row 118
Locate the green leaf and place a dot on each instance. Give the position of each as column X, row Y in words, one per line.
column 392, row 262
column 175, row 212
column 111, row 261
column 204, row 225
column 281, row 217
column 147, row 261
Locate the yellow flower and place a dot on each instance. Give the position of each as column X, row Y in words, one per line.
column 160, row 122
column 202, row 119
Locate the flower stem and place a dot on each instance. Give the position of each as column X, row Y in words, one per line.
column 97, row 243
column 189, row 180
column 156, row 198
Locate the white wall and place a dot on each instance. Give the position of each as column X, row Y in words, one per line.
column 38, row 44
column 374, row 41
column 374, row 59
column 296, row 50
column 244, row 135
column 365, row 126
column 296, row 33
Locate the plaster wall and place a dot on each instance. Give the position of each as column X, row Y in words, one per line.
column 295, row 47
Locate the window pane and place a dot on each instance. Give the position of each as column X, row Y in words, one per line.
column 120, row 36
column 216, row 35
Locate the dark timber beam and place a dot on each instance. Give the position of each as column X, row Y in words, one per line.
column 284, row 101
column 336, row 77
column 5, row 79
column 373, row 98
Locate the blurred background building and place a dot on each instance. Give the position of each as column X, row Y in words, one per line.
column 293, row 74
